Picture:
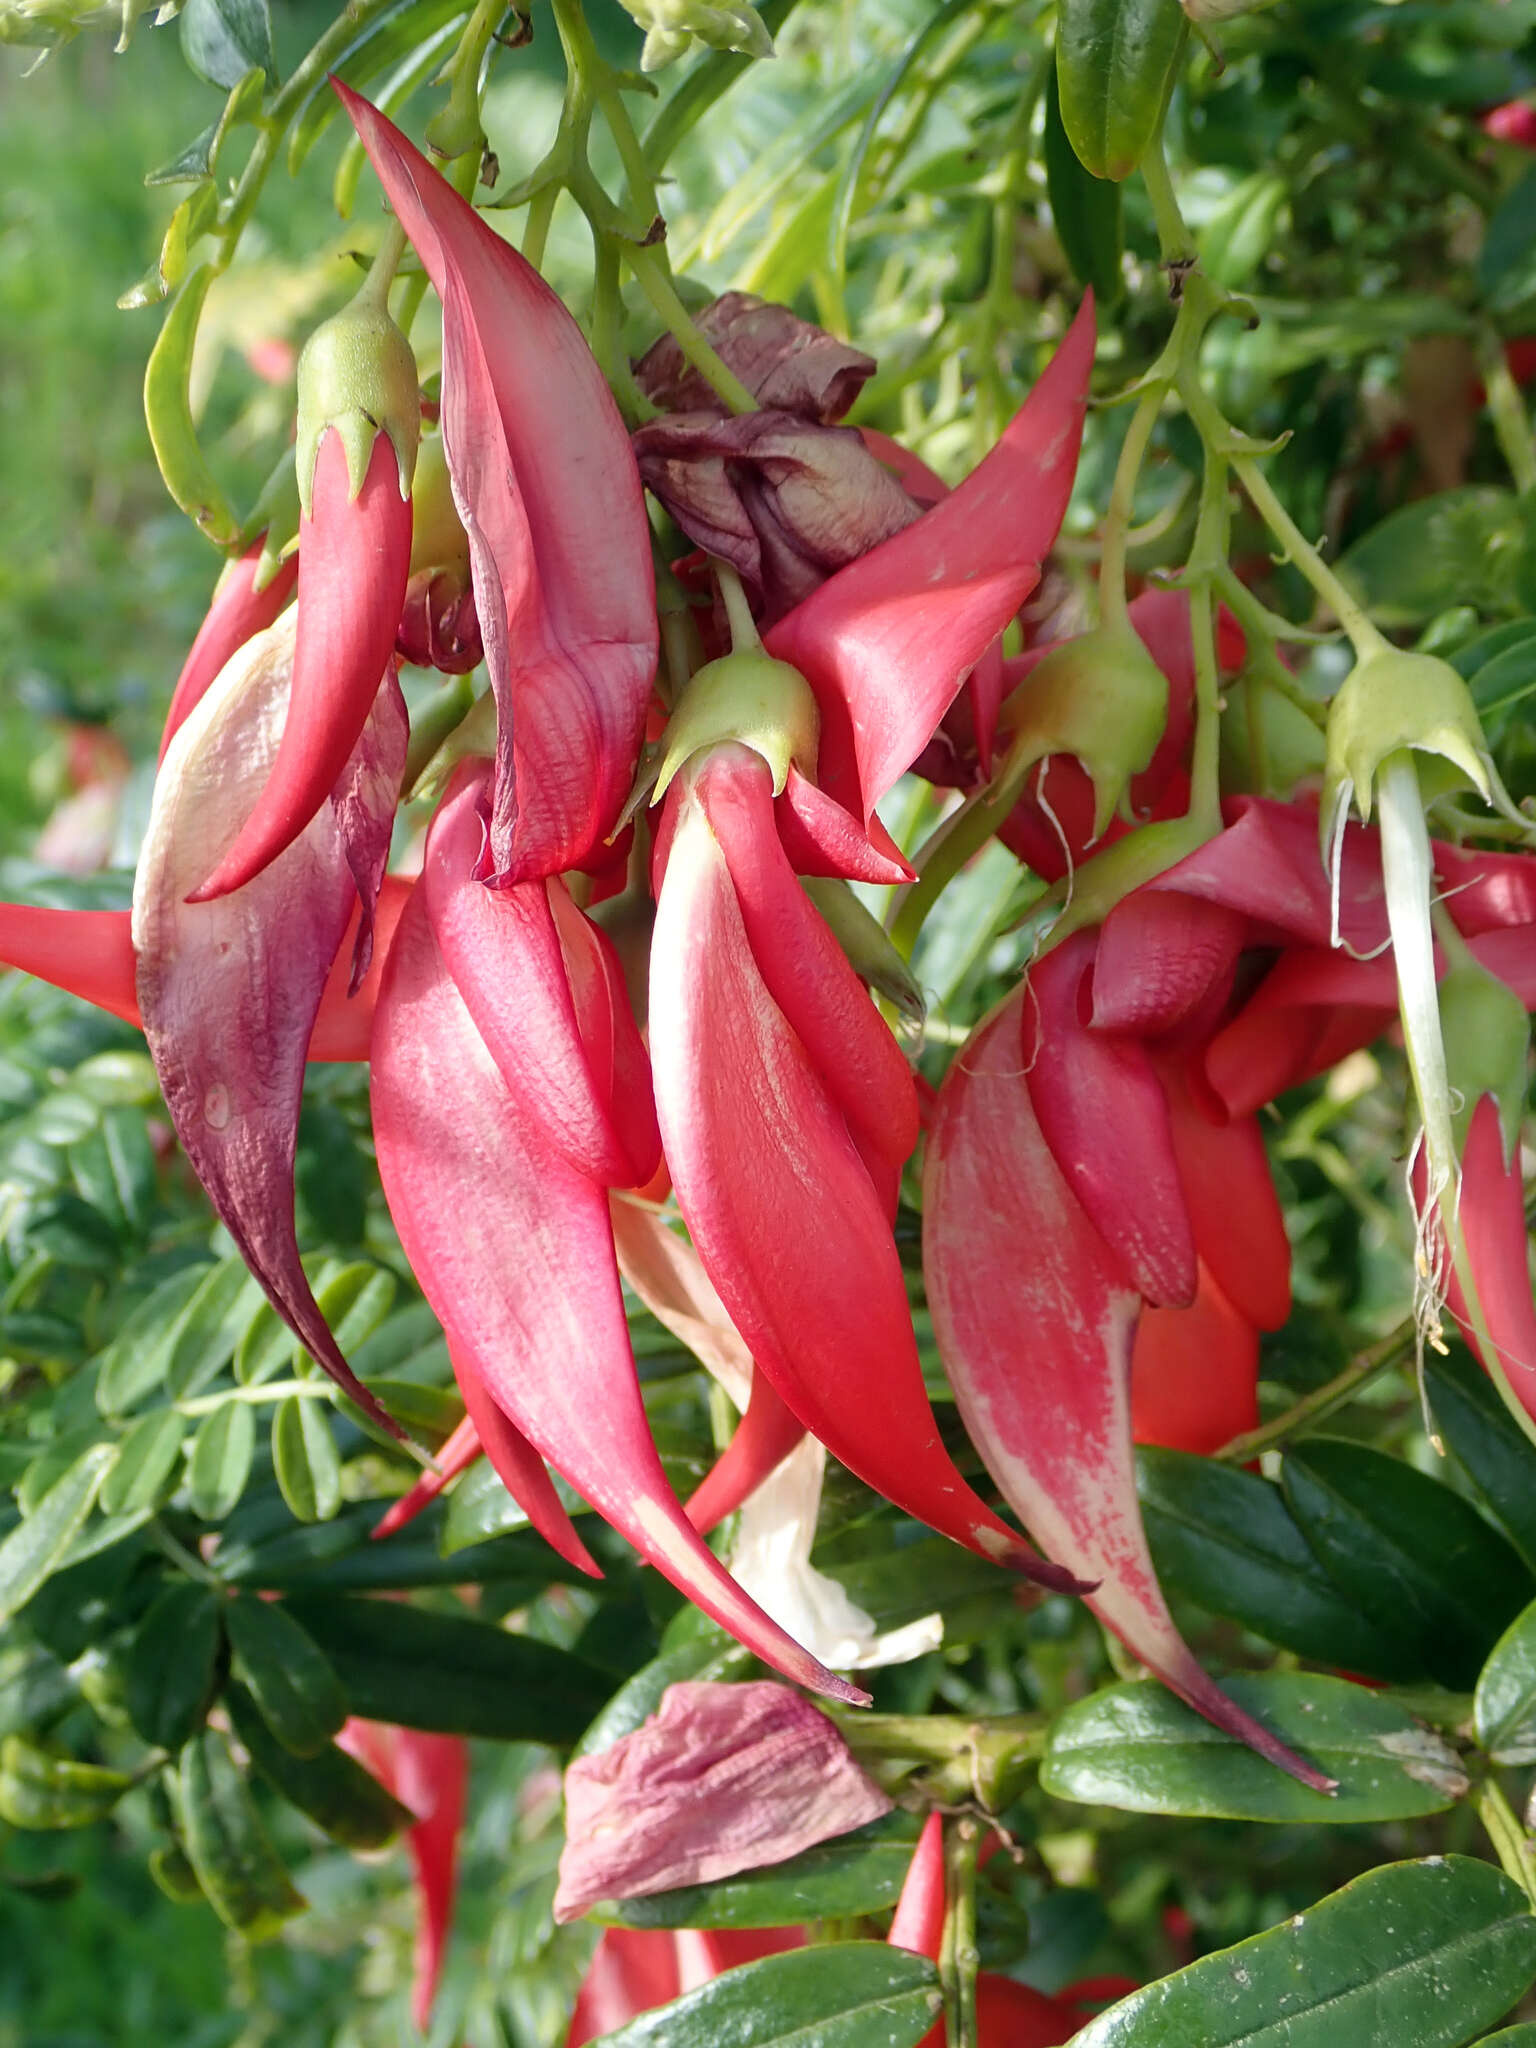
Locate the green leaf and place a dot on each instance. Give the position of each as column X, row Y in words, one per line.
column 1137, row 1747
column 1240, row 234
column 236, row 1864
column 146, row 1458
column 355, row 1301
column 1523, row 2036
column 267, row 1347
column 173, row 1873
column 341, row 1556
column 1399, row 1543
column 330, row 1787
column 1458, row 547
column 291, row 1680
column 52, row 1462
column 1225, row 1539
column 1506, row 263
column 479, row 1509
column 220, row 1460
column 44, row 1791
column 1504, row 1705
column 844, row 1994
column 856, row 1873
column 33, row 1550
column 383, row 40
column 204, row 1335
column 1085, row 209
column 34, row 1687
column 173, row 1666
column 446, row 1673
column 1487, row 1443
column 304, row 1458
column 1425, row 1953
column 224, row 39
column 1112, row 60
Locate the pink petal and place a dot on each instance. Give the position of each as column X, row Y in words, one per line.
column 918, row 1922
column 356, row 556
column 804, row 970
column 1102, row 1112
column 229, row 990
column 722, row 1778
column 502, row 947
column 1195, row 1373
column 887, row 642
column 1036, row 1327
column 521, row 1470
column 632, row 1971
column 1162, row 957
column 1266, row 865
column 236, row 614
column 1234, row 1211
column 1492, row 1214
column 457, row 1455
column 820, row 838
column 513, row 1249
column 764, row 1438
column 780, row 1205
column 546, row 488
column 363, row 801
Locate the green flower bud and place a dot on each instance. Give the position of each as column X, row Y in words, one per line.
column 358, row 375
column 1101, row 698
column 670, row 26
column 1487, row 1042
column 1392, row 701
column 49, row 24
column 748, row 697
column 438, row 540
column 867, row 946
column 1268, row 744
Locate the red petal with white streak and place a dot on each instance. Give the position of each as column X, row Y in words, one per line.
column 229, row 990
column 781, row 1208
column 1104, row 1116
column 548, row 492
column 513, row 1249
column 1036, row 1326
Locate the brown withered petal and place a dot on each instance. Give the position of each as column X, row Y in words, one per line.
column 439, row 627
column 722, row 1778
column 784, row 501
column 787, row 364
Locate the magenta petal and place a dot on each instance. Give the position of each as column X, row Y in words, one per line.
column 546, row 487
column 521, row 1470
column 229, row 990
column 887, row 642
column 1492, row 1213
column 1161, row 957
column 1035, row 1325
column 355, row 554
column 615, row 1052
column 783, row 1212
column 819, row 837
column 722, row 1778
column 513, row 1249
column 804, row 969
column 1102, row 1112
column 502, row 948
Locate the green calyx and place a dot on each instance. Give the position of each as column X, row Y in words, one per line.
column 438, row 540
column 1101, row 698
column 867, row 946
column 1487, row 1043
column 1268, row 744
column 1394, row 701
column 752, row 699
column 672, row 25
column 357, row 375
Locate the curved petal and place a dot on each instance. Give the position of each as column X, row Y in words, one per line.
column 632, row 1971
column 1102, row 1112
column 1036, row 1326
column 1162, row 958
column 1235, row 1213
column 781, row 1208
column 887, row 642
column 547, row 488
column 1195, row 1373
column 1493, row 1227
column 229, row 990
column 237, row 613
column 804, row 969
column 521, row 1470
column 356, row 557
column 457, row 1455
column 764, row 1438
column 502, row 948
column 820, row 838
column 513, row 1249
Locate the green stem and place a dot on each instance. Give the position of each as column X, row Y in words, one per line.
column 184, row 1559
column 654, row 279
column 269, row 1390
column 954, row 841
column 1506, row 408
column 1122, row 496
column 1511, row 1843
column 1393, row 1350
column 1300, row 552
column 1175, row 243
column 959, row 1957
column 738, row 612
column 541, row 211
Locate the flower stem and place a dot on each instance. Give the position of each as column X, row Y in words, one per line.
column 1506, row 408
column 1511, row 1843
column 653, row 278
column 959, row 1957
column 1393, row 1350
column 1300, row 552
